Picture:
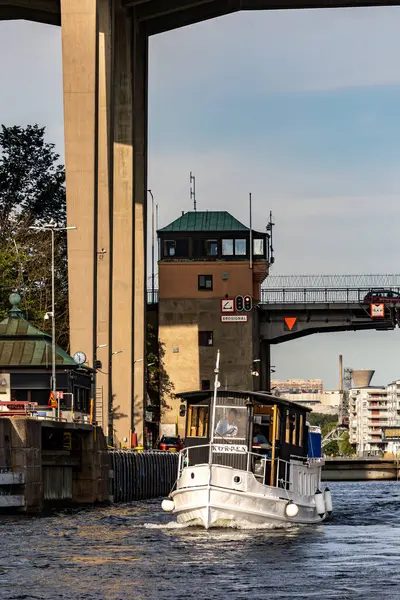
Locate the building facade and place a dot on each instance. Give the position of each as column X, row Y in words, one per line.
column 207, row 260
column 368, row 414
column 26, row 370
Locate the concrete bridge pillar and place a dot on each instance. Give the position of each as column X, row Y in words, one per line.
column 105, row 113
column 265, row 366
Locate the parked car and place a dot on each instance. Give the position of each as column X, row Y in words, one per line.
column 382, row 296
column 173, row 444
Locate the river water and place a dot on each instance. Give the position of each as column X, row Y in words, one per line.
column 136, row 552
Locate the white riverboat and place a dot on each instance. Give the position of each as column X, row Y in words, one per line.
column 259, row 463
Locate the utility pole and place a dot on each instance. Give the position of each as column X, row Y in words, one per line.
column 271, row 249
column 193, row 189
column 52, row 228
column 152, row 246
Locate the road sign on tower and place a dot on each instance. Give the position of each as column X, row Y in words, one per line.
column 227, row 305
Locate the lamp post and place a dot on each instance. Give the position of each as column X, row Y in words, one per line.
column 152, row 245
column 51, row 227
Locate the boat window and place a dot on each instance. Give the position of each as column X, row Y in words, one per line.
column 277, row 427
column 287, row 432
column 293, row 425
column 198, row 421
column 301, row 432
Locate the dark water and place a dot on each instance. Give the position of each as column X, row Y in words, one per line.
column 132, row 552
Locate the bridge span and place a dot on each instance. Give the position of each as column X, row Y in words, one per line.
column 294, row 311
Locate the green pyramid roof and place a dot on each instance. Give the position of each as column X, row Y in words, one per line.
column 22, row 344
column 205, row 221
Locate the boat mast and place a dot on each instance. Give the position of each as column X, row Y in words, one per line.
column 216, row 386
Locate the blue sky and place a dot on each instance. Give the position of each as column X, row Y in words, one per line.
column 299, row 107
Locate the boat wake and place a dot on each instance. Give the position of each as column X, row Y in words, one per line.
column 221, row 524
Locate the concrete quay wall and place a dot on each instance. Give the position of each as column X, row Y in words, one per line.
column 46, row 464
column 360, row 469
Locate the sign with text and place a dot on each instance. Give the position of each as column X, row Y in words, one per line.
column 229, row 449
column 377, row 310
column 228, row 305
column 234, row 318
column 59, row 395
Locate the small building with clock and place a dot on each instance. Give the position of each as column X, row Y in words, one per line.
column 210, row 271
column 26, row 367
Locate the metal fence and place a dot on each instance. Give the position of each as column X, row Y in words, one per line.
column 317, row 295
column 142, row 475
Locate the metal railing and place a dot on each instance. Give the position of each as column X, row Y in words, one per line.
column 257, row 464
column 307, row 295
column 318, row 295
column 141, row 475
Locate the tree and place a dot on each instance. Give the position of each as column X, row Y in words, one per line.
column 159, row 384
column 32, row 181
column 345, row 448
column 32, row 192
column 327, row 423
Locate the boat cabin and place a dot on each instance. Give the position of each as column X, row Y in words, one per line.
column 247, row 426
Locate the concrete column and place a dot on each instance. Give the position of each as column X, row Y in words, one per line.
column 140, row 65
column 121, row 393
column 104, row 251
column 79, row 52
column 105, row 111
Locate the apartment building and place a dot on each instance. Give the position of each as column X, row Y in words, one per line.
column 370, row 410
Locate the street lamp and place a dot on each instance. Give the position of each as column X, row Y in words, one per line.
column 51, row 227
column 152, row 245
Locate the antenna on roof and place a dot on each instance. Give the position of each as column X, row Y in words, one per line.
column 193, row 189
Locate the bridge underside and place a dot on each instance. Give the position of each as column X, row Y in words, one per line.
column 105, row 63
column 284, row 322
column 319, row 318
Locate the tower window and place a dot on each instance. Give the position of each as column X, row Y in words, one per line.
column 212, row 247
column 169, row 247
column 206, row 338
column 258, row 247
column 240, row 247
column 205, row 282
column 227, row 247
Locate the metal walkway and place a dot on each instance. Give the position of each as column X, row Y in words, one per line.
column 318, row 295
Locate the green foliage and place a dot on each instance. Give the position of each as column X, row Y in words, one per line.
column 32, row 192
column 327, row 423
column 345, row 448
column 159, row 385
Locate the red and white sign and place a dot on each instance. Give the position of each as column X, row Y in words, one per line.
column 59, row 395
column 377, row 310
column 227, row 305
column 234, row 318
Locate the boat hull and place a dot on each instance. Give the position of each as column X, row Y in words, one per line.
column 214, row 506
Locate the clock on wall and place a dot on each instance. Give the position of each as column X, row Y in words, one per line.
column 79, row 358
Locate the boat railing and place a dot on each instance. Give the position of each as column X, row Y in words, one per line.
column 278, row 472
column 259, row 465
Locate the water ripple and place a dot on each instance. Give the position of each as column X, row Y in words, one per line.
column 134, row 551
